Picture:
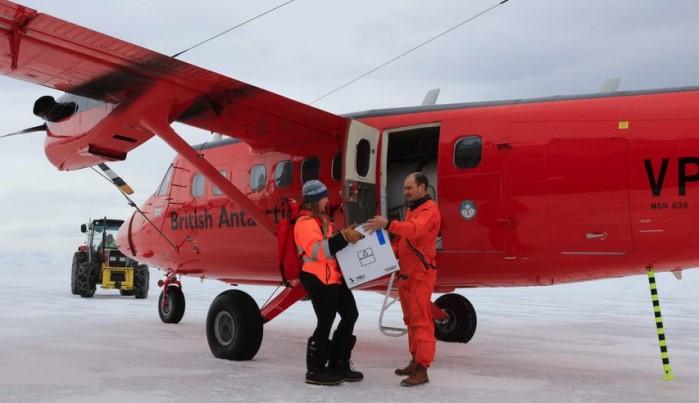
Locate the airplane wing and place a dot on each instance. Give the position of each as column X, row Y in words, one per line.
column 44, row 50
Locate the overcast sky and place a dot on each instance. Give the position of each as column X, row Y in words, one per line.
column 526, row 48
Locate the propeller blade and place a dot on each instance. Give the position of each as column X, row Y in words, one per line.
column 116, row 179
column 41, row 128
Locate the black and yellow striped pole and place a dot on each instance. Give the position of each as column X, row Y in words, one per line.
column 659, row 325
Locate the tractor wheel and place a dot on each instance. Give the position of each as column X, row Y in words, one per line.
column 234, row 326
column 78, row 257
column 85, row 282
column 171, row 309
column 141, row 282
column 460, row 326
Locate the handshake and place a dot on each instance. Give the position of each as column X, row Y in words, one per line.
column 351, row 235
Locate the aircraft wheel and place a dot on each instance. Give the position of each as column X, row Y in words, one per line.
column 172, row 309
column 141, row 283
column 460, row 326
column 85, row 284
column 78, row 257
column 234, row 326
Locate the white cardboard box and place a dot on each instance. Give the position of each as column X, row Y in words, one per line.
column 368, row 259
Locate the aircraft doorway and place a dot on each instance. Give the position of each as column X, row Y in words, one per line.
column 407, row 150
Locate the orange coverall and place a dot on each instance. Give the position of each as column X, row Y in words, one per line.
column 420, row 227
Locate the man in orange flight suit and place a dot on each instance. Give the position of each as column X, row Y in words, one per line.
column 416, row 254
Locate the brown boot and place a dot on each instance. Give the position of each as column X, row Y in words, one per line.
column 407, row 371
column 418, row 378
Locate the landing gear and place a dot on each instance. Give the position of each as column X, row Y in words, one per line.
column 234, row 326
column 460, row 325
column 171, row 304
column 85, row 280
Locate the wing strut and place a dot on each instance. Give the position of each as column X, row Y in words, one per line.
column 157, row 123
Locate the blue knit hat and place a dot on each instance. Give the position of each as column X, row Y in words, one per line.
column 314, row 190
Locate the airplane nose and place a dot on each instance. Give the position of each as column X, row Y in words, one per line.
column 125, row 238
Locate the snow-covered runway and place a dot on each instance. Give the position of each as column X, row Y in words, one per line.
column 583, row 342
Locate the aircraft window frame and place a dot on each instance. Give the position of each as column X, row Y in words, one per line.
column 285, row 174
column 304, row 177
column 260, row 183
column 197, row 190
column 164, row 187
column 465, row 160
column 362, row 159
column 336, row 174
column 214, row 189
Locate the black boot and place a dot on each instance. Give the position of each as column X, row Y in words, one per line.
column 316, row 357
column 340, row 358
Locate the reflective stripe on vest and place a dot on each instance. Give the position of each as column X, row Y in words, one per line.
column 314, row 252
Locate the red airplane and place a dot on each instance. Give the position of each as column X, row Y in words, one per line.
column 532, row 192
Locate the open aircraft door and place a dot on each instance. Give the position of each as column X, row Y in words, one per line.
column 359, row 181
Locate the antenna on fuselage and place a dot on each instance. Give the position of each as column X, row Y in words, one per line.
column 611, row 85
column 431, row 97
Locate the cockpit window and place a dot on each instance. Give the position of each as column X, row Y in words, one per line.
column 165, row 184
column 198, row 185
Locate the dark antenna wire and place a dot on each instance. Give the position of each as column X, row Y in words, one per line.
column 133, row 204
column 354, row 80
column 232, row 28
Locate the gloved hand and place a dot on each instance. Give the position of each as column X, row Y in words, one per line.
column 351, row 235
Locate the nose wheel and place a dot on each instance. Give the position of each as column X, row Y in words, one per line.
column 171, row 302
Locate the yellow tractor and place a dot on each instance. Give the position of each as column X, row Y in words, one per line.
column 99, row 261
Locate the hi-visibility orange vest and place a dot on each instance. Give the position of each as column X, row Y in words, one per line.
column 312, row 244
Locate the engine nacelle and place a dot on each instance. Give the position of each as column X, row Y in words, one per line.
column 50, row 110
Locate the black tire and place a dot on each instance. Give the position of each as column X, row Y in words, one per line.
column 85, row 281
column 173, row 311
column 461, row 324
column 234, row 326
column 78, row 257
column 141, row 283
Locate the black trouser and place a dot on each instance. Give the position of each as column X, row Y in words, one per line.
column 329, row 300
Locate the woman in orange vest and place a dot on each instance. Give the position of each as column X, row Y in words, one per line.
column 321, row 277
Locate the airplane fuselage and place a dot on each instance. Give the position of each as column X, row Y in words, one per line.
column 531, row 192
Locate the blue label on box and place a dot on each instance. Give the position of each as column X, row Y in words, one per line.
column 379, row 235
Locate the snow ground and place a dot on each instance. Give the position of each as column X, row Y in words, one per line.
column 586, row 342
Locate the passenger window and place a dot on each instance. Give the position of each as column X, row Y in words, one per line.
column 337, row 167
column 282, row 174
column 198, row 185
column 310, row 169
column 215, row 189
column 467, row 152
column 363, row 157
column 258, row 177
column 164, row 185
